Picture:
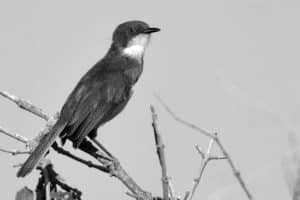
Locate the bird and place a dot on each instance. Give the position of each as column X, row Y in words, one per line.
column 101, row 94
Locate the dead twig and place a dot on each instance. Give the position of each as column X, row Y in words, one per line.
column 14, row 152
column 25, row 105
column 161, row 156
column 235, row 171
column 217, row 141
column 178, row 119
column 15, row 136
column 206, row 157
column 115, row 168
column 186, row 196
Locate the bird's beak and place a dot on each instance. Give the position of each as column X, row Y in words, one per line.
column 151, row 30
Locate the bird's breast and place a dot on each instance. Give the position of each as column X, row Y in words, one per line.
column 134, row 73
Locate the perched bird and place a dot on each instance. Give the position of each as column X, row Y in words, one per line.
column 101, row 94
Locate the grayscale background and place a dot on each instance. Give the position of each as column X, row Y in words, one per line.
column 228, row 66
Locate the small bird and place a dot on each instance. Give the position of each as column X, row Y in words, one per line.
column 101, row 94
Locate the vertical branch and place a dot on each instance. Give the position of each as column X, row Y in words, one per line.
column 161, row 155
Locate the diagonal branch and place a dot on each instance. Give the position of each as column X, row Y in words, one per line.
column 235, row 171
column 15, row 136
column 25, row 105
column 178, row 119
column 14, row 152
column 206, row 157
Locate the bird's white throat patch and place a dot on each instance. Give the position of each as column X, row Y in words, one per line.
column 137, row 46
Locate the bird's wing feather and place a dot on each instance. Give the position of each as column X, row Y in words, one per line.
column 93, row 108
column 43, row 146
column 85, row 109
column 90, row 123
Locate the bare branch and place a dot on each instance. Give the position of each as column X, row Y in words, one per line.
column 178, row 119
column 161, row 155
column 217, row 140
column 200, row 151
column 186, row 196
column 13, row 135
column 235, row 171
column 14, row 152
column 217, row 158
column 171, row 190
column 25, row 105
column 204, row 163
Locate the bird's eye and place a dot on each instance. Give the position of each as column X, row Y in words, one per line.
column 131, row 30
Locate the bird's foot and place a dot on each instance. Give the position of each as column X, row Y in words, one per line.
column 100, row 146
column 110, row 163
column 113, row 166
column 103, row 157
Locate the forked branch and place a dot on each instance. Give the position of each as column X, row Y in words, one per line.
column 214, row 137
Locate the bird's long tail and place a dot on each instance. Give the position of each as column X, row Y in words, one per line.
column 38, row 153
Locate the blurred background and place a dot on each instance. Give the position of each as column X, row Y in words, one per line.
column 230, row 67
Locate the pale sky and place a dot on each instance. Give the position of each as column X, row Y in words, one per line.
column 228, row 66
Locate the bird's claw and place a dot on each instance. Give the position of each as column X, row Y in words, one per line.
column 112, row 166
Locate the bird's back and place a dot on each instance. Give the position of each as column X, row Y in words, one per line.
column 100, row 95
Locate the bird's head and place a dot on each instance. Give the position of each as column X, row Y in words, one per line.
column 132, row 37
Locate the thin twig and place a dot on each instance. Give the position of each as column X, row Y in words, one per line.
column 178, row 119
column 186, row 196
column 218, row 157
column 25, row 105
column 15, row 136
column 235, row 171
column 200, row 151
column 14, row 152
column 131, row 195
column 217, row 140
column 171, row 190
column 202, row 154
column 204, row 163
column 161, row 155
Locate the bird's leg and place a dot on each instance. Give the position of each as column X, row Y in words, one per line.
column 62, row 151
column 111, row 165
column 92, row 135
column 87, row 147
column 102, row 147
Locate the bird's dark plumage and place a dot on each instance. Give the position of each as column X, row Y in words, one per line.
column 101, row 94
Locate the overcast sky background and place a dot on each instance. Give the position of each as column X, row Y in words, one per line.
column 228, row 66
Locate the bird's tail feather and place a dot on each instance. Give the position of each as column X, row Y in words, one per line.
column 38, row 153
